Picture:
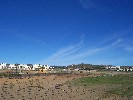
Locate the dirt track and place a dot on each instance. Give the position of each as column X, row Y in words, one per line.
column 51, row 88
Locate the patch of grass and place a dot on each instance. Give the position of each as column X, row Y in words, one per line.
column 125, row 83
column 121, row 79
column 123, row 90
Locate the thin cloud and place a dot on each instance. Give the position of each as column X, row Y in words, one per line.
column 94, row 4
column 73, row 54
column 125, row 45
column 77, row 53
column 87, row 4
column 85, row 53
column 129, row 48
column 67, row 50
column 117, row 42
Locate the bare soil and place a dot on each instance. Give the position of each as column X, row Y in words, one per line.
column 52, row 87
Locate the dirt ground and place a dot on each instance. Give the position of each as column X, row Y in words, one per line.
column 52, row 88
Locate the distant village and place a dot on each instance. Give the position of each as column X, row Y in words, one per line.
column 100, row 67
column 44, row 68
column 24, row 66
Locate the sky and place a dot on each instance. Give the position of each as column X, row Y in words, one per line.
column 64, row 32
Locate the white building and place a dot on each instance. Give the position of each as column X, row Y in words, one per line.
column 47, row 67
column 11, row 66
column 24, row 67
column 36, row 66
column 2, row 65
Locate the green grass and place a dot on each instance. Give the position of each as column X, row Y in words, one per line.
column 125, row 90
column 124, row 83
column 123, row 79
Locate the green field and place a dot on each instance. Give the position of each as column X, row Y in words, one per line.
column 124, row 83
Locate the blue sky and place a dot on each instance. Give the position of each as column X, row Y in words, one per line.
column 63, row 32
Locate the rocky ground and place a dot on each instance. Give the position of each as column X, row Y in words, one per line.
column 52, row 88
